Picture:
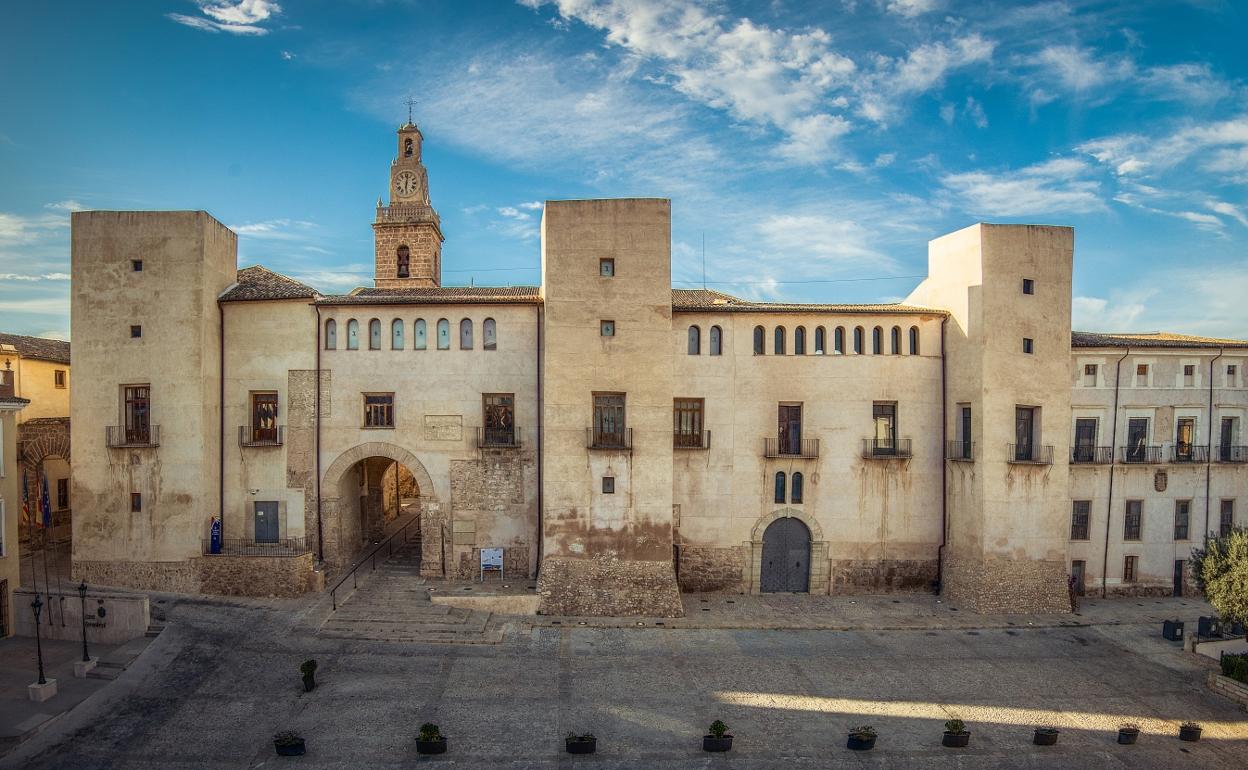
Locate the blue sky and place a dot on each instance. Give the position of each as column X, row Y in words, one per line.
column 811, row 145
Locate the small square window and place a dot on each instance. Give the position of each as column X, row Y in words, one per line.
column 1230, row 370
column 136, row 265
column 136, row 502
column 1141, row 370
column 1189, row 370
column 608, row 485
column 58, row 378
column 136, row 331
column 1089, row 369
column 606, row 328
column 1028, row 345
column 1029, row 286
column 606, row 268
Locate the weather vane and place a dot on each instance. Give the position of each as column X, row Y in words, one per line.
column 410, row 103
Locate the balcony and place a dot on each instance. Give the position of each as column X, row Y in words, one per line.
column 1231, row 454
column 1141, row 455
column 498, row 438
column 596, row 438
column 691, row 439
column 963, row 451
column 886, row 449
column 1189, row 453
column 407, row 212
column 1091, row 455
column 237, row 546
column 249, row 436
column 121, row 437
column 801, row 449
column 1029, row 454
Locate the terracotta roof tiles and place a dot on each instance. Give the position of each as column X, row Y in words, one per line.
column 56, row 351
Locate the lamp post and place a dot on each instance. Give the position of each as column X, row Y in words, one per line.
column 37, row 606
column 82, row 594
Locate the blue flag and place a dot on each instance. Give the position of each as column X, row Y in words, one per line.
column 45, row 505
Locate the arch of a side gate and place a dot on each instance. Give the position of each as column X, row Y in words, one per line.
column 818, row 583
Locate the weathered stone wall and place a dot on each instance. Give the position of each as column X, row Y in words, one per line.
column 603, row 586
column 1001, row 586
column 284, row 576
column 174, row 576
column 704, row 568
column 44, row 437
column 423, row 240
column 490, row 510
column 883, row 575
column 515, row 563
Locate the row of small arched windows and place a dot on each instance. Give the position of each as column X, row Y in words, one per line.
column 420, row 334
column 838, row 341
column 716, row 341
column 795, row 490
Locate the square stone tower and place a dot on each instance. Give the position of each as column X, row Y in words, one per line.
column 1007, row 344
column 408, row 232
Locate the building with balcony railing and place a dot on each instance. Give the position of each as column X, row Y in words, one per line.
column 886, row 449
column 795, row 448
column 123, row 437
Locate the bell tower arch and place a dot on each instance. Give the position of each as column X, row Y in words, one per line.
column 408, row 232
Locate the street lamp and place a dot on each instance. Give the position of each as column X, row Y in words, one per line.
column 37, row 606
column 82, row 594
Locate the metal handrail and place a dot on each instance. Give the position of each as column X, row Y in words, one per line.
column 249, row 436
column 1086, row 454
column 886, row 448
column 371, row 557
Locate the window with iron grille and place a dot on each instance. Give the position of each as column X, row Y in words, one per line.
column 500, row 418
column 1079, row 519
column 136, row 502
column 263, row 417
column 687, row 422
column 1226, row 518
column 795, row 491
column 1128, row 569
column 1182, row 515
column 1029, row 286
column 378, row 410
column 1131, row 524
column 137, row 414
column 609, row 419
column 1028, row 345
column 780, row 487
column 608, row 485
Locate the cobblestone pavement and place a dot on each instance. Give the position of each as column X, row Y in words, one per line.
column 223, row 677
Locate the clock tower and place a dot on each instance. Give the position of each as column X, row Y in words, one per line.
column 408, row 232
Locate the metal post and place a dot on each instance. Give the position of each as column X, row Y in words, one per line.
column 82, row 594
column 36, row 606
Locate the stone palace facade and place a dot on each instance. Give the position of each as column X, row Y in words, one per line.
column 623, row 441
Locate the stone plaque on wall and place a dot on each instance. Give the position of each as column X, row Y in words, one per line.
column 444, row 427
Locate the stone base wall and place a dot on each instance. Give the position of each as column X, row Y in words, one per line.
column 1224, row 685
column 853, row 576
column 606, row 587
column 1133, row 590
column 515, row 563
column 261, row 576
column 1004, row 586
column 706, row 569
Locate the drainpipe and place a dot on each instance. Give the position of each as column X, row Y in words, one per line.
column 316, row 386
column 1209, row 444
column 540, row 340
column 221, row 416
column 1109, row 504
column 944, row 470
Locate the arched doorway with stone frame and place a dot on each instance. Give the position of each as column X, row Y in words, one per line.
column 371, row 490
column 818, row 583
column 44, row 453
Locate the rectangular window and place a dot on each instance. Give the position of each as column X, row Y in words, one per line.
column 264, row 417
column 136, row 331
column 137, row 414
column 884, row 417
column 62, row 494
column 1184, row 435
column 1182, row 515
column 1089, row 375
column 609, row 423
column 687, row 422
column 136, row 265
column 1132, row 523
column 1226, row 440
column 964, row 449
column 1085, row 440
column 1079, row 519
column 606, row 268
column 1029, row 286
column 1028, row 345
column 608, row 485
column 1137, row 440
column 1230, row 372
column 378, row 410
column 136, row 502
column 58, row 378
column 1141, row 375
column 1024, row 433
column 1226, row 518
column 606, row 328
column 500, row 418
column 789, row 429
column 1128, row 569
column 1189, row 375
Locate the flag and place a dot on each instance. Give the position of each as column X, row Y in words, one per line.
column 25, row 500
column 45, row 505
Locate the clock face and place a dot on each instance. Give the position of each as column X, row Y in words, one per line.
column 405, row 183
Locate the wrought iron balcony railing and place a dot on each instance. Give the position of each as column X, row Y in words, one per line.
column 886, row 448
column 960, row 450
column 1141, row 454
column 604, row 439
column 691, row 439
column 1091, row 455
column 238, row 546
column 1189, row 453
column 807, row 448
column 1231, row 454
column 498, row 438
column 249, row 436
column 1029, row 454
column 120, row 436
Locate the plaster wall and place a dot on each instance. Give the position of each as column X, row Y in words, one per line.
column 35, row 379
column 11, row 502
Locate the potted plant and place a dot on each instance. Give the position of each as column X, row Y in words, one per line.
column 1127, row 733
column 956, row 734
column 430, row 740
column 288, row 743
column 718, row 740
column 861, row 738
column 580, row 744
column 1045, row 736
column 308, row 669
column 1189, row 731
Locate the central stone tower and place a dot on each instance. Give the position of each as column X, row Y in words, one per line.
column 408, row 232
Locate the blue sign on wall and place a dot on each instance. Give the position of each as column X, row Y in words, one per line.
column 214, row 538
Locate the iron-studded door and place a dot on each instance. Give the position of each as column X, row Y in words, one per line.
column 266, row 522
column 786, row 557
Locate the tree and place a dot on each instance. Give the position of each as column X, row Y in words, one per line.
column 1221, row 572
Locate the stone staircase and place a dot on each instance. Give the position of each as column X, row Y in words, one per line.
column 392, row 605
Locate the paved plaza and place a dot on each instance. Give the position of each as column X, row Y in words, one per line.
column 223, row 677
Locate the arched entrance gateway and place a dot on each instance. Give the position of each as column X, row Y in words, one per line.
column 789, row 554
column 369, row 490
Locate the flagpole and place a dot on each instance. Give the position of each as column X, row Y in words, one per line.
column 47, row 584
column 30, row 531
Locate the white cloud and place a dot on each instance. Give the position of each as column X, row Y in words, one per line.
column 1062, row 185
column 240, row 17
column 18, row 230
column 287, row 55
column 920, row 70
column 1099, row 314
column 820, row 241
column 65, row 205
column 1078, row 69
column 948, row 112
column 31, row 278
column 910, row 8
column 1227, row 209
column 1141, row 305
column 975, row 111
column 276, row 229
column 1187, row 82
column 811, row 139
